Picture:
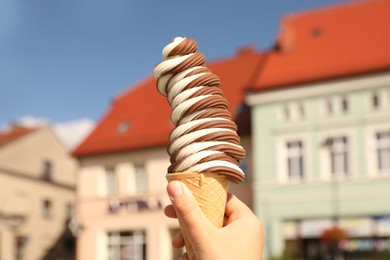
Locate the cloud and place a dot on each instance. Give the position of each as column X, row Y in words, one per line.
column 73, row 132
column 31, row 121
column 70, row 133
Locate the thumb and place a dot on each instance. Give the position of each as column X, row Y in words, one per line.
column 188, row 212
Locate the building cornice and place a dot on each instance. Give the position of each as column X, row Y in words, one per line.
column 331, row 124
column 272, row 186
column 322, row 88
column 26, row 177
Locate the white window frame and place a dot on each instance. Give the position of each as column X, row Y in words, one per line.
column 111, row 181
column 295, row 160
column 47, row 208
column 116, row 243
column 47, row 170
column 324, row 107
column 296, row 110
column 383, row 96
column 383, row 144
column 372, row 155
column 344, row 99
column 339, row 156
column 284, row 112
column 140, row 178
column 375, row 93
column 301, row 107
column 282, row 158
column 325, row 161
column 336, row 104
column 386, row 100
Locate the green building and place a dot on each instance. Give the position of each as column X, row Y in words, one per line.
column 321, row 134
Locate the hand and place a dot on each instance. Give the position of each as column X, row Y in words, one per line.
column 241, row 236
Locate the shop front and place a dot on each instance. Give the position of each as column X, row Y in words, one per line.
column 351, row 238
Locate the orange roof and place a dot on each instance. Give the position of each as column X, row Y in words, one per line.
column 140, row 117
column 337, row 41
column 14, row 133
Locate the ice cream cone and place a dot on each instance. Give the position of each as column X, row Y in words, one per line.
column 210, row 191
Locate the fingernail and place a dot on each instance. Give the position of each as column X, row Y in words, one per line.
column 175, row 189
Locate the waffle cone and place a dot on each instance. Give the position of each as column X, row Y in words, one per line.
column 210, row 191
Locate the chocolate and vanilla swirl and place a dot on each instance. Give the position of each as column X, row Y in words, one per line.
column 205, row 138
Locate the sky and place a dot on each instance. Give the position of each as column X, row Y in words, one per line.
column 62, row 62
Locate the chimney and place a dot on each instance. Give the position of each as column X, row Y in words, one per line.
column 246, row 50
column 286, row 38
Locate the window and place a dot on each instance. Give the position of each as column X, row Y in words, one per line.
column 20, row 244
column 295, row 160
column 111, row 181
column 383, row 151
column 375, row 100
column 46, row 208
column 127, row 245
column 141, row 180
column 69, row 210
column 338, row 151
column 316, row 32
column 329, row 106
column 286, row 112
column 47, row 170
column 301, row 110
column 123, row 126
column 344, row 104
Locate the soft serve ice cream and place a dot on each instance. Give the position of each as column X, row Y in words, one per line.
column 205, row 138
column 204, row 147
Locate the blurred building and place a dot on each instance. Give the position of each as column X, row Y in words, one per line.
column 37, row 191
column 321, row 132
column 123, row 163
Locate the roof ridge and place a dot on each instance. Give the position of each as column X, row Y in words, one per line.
column 15, row 132
column 326, row 8
column 337, row 41
column 148, row 112
column 130, row 88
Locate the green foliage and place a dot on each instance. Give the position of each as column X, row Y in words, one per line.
column 284, row 256
column 385, row 255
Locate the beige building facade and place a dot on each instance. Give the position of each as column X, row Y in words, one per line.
column 120, row 207
column 37, row 190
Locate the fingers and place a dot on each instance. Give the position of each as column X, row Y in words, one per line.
column 188, row 211
column 170, row 212
column 235, row 209
column 184, row 257
column 178, row 240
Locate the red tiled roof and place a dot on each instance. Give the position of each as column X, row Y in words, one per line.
column 337, row 41
column 14, row 133
column 147, row 112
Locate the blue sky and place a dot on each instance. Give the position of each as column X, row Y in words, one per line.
column 65, row 60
